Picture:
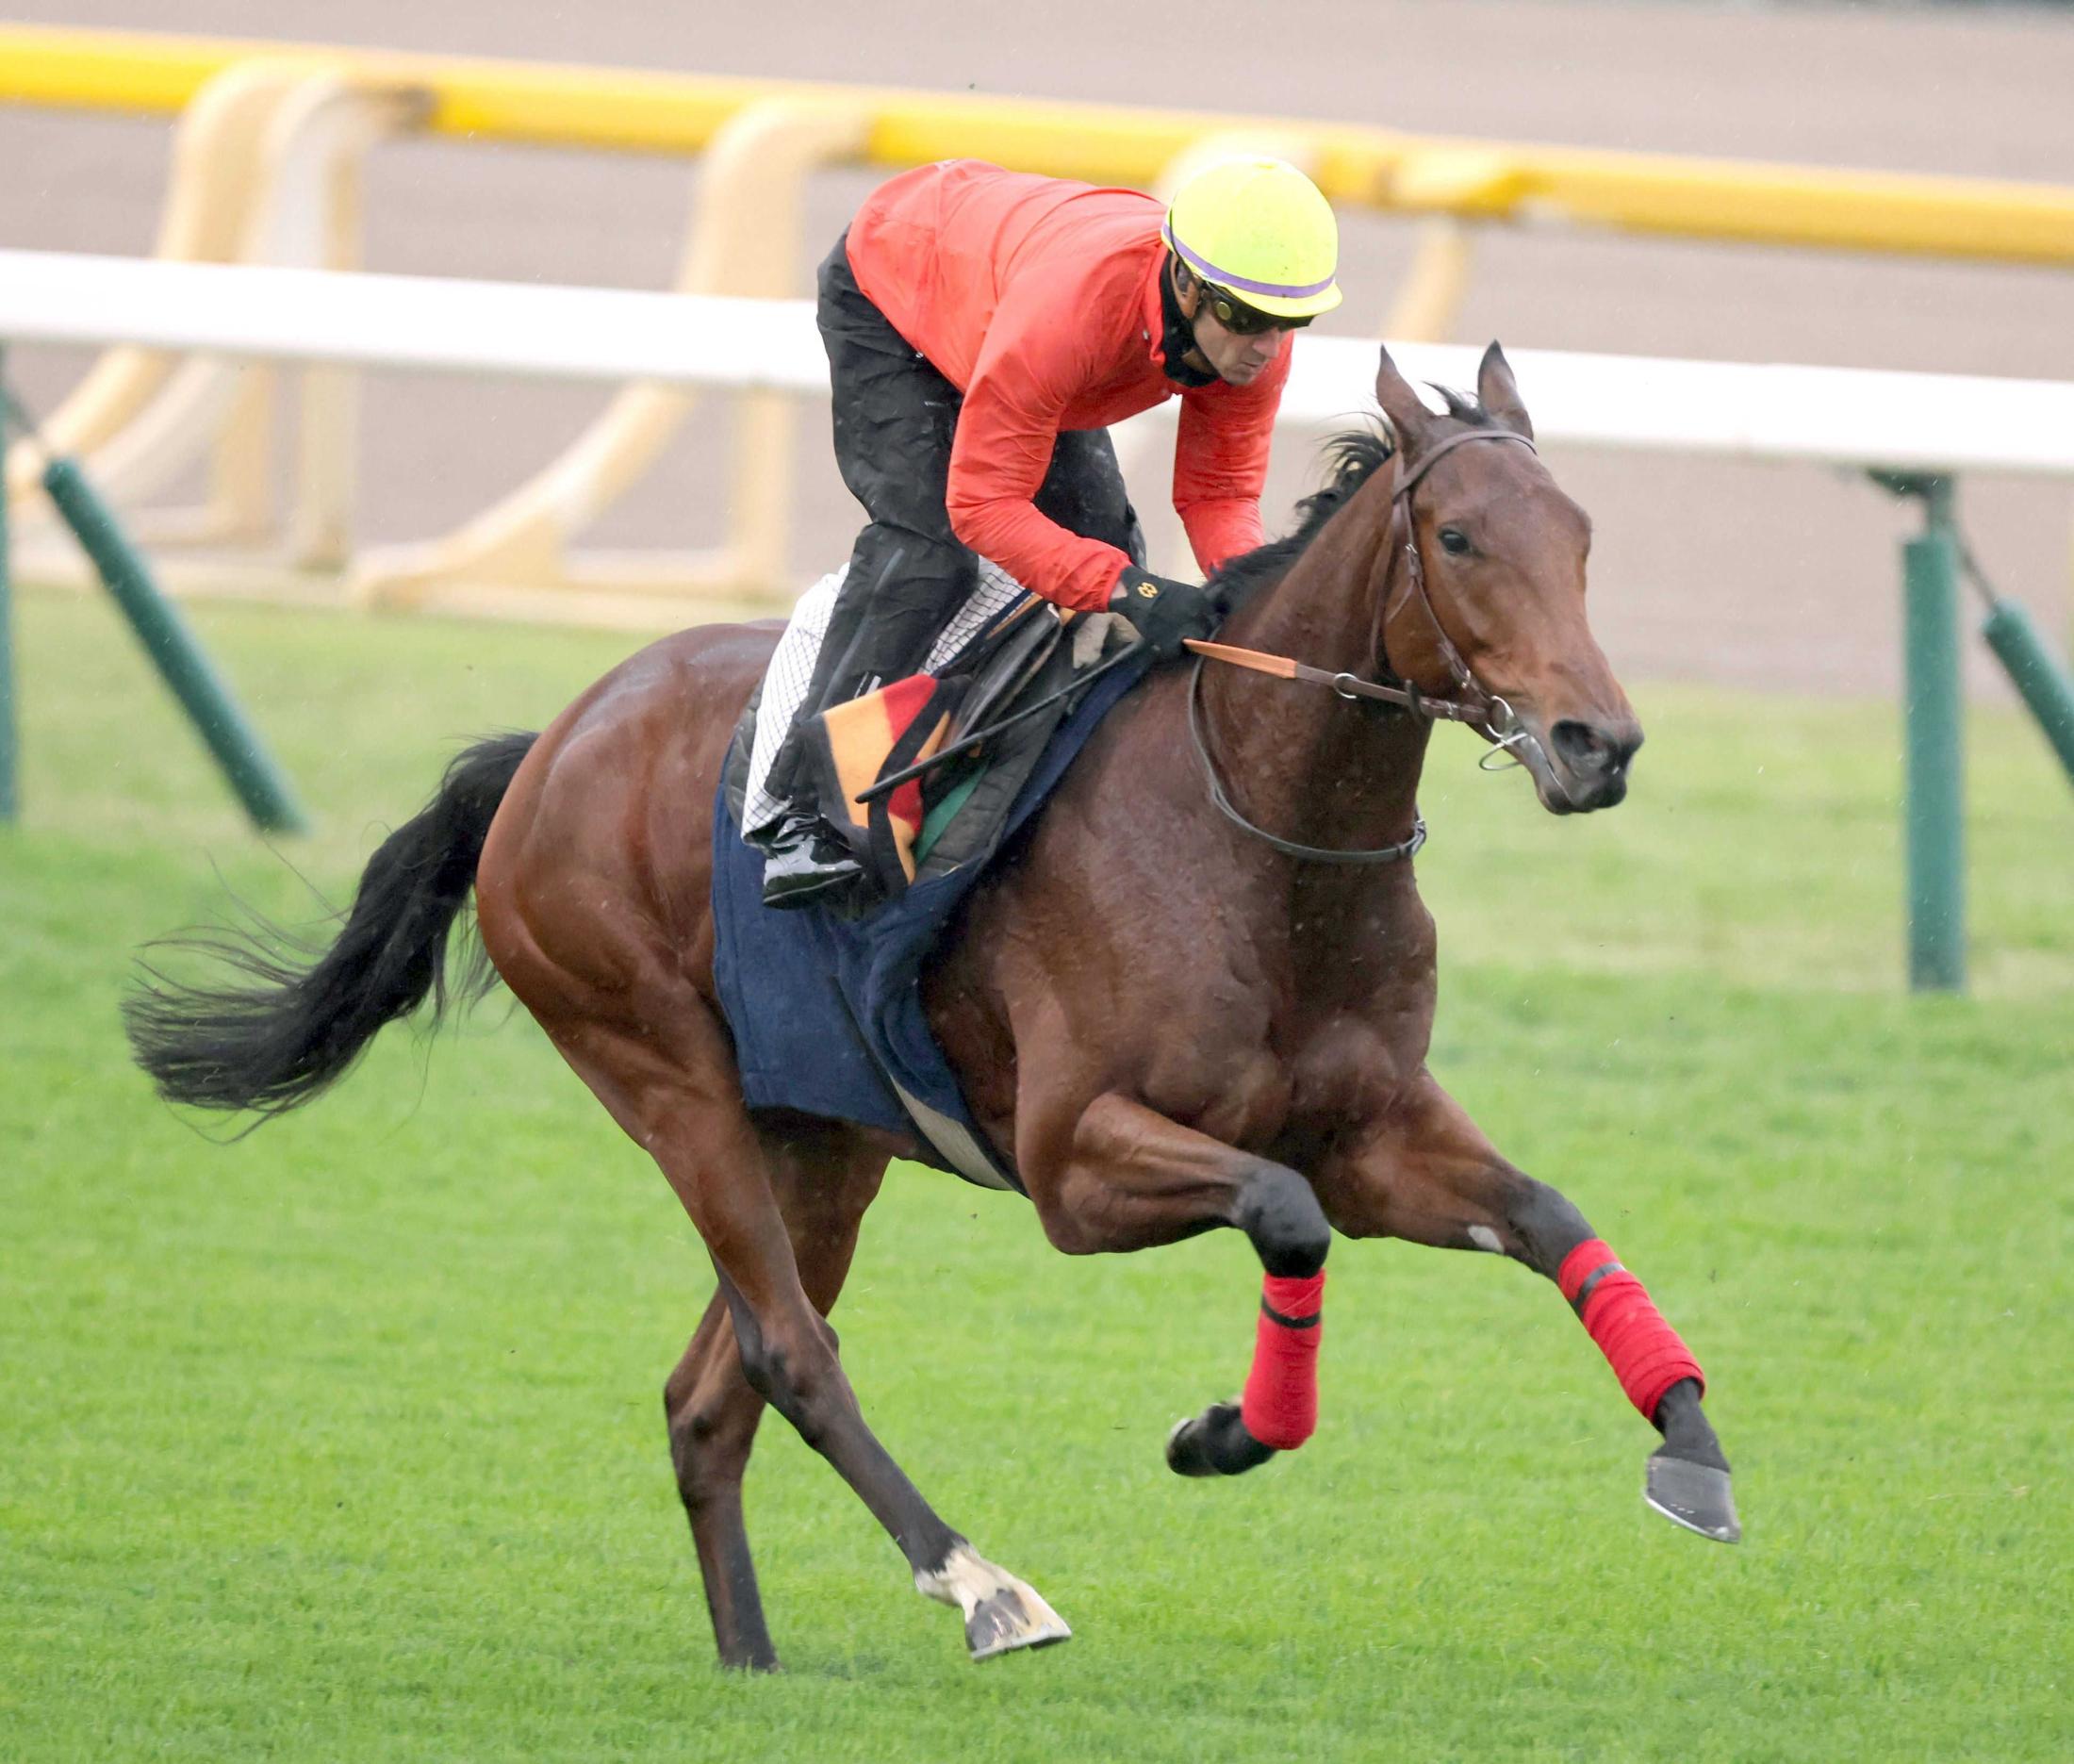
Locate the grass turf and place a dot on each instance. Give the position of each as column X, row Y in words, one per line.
column 345, row 1440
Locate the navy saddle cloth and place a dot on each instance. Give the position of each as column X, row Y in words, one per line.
column 826, row 1012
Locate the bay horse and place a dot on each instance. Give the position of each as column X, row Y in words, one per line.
column 1167, row 1016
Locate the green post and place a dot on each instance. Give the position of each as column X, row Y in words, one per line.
column 1934, row 702
column 10, row 799
column 259, row 783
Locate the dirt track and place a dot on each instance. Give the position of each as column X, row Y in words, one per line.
column 1739, row 573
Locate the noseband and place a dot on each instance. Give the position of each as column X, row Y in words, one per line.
column 1479, row 709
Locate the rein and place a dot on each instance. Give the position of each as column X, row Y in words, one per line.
column 1475, row 707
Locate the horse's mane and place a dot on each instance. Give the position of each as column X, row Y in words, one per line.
column 1353, row 456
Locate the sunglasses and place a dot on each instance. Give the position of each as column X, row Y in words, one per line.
column 1241, row 320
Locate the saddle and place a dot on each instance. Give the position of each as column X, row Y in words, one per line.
column 1007, row 647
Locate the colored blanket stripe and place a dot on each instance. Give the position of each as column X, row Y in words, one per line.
column 855, row 743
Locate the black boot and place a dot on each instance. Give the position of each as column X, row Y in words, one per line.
column 807, row 861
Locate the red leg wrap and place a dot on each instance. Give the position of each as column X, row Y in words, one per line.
column 1280, row 1405
column 1617, row 1312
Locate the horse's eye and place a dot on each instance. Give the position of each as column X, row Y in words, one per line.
column 1455, row 540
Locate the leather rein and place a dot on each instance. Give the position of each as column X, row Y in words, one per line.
column 1473, row 706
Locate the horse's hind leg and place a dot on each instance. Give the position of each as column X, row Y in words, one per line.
column 671, row 1085
column 712, row 1414
column 1428, row 1174
column 823, row 1181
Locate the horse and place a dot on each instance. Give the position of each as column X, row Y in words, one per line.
column 1167, row 1016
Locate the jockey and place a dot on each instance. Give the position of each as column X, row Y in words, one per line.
column 983, row 330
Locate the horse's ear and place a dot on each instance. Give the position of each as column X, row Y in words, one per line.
column 1402, row 404
column 1498, row 394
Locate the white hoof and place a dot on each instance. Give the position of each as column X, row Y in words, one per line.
column 1002, row 1612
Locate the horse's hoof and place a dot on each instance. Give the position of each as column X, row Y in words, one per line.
column 1696, row 1496
column 1002, row 1612
column 1214, row 1444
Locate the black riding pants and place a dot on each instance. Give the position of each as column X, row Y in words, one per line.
column 895, row 419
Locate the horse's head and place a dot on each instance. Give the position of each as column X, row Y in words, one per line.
column 1501, row 552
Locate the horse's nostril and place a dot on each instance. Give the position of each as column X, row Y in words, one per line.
column 1581, row 748
column 1590, row 752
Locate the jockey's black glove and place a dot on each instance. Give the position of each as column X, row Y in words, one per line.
column 1163, row 611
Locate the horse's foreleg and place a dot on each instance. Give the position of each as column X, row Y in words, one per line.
column 1426, row 1174
column 1133, row 1178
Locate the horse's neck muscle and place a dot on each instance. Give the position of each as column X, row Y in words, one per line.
column 1299, row 758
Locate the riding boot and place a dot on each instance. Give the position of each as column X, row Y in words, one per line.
column 806, row 861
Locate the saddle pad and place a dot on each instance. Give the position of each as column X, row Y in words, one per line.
column 826, row 1013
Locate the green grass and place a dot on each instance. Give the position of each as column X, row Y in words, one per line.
column 344, row 1441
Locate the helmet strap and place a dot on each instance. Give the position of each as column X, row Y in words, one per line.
column 1179, row 338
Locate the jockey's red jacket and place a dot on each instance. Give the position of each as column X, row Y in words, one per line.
column 1039, row 298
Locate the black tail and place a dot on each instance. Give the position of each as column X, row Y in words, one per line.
column 270, row 1046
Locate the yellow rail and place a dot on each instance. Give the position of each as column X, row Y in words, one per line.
column 678, row 113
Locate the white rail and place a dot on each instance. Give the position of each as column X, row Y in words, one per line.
column 1846, row 416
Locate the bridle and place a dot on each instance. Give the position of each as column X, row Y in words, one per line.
column 1474, row 705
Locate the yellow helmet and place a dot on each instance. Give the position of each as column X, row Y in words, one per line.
column 1259, row 229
